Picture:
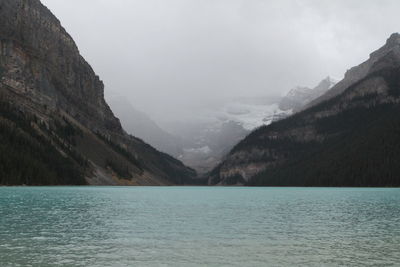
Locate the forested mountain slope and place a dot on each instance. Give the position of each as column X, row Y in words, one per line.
column 351, row 137
column 55, row 126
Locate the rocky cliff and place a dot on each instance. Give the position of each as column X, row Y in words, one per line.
column 359, row 72
column 46, row 82
column 299, row 97
column 348, row 137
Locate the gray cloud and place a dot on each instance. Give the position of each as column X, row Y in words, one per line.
column 171, row 56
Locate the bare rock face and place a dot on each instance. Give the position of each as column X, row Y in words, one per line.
column 356, row 74
column 41, row 62
column 349, row 137
column 43, row 75
column 299, row 97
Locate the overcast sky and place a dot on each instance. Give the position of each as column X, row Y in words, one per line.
column 168, row 55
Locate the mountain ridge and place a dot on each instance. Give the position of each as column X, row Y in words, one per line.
column 359, row 72
column 299, row 97
column 349, row 138
column 139, row 124
column 49, row 84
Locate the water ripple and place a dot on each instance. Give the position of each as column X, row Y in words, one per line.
column 195, row 226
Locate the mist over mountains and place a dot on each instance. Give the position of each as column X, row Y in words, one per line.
column 172, row 58
column 55, row 125
column 57, row 128
column 299, row 97
column 349, row 136
column 202, row 141
column 141, row 125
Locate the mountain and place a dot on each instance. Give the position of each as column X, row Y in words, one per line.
column 299, row 97
column 207, row 138
column 55, row 126
column 205, row 143
column 139, row 124
column 350, row 136
column 358, row 73
column 200, row 144
column 214, row 129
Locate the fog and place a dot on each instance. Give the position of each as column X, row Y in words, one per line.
column 171, row 57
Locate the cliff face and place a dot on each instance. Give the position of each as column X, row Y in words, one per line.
column 359, row 72
column 350, row 137
column 44, row 77
column 41, row 62
column 299, row 97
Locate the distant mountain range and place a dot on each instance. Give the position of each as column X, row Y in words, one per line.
column 349, row 136
column 206, row 139
column 55, row 126
column 57, row 129
column 202, row 142
column 139, row 124
column 299, row 97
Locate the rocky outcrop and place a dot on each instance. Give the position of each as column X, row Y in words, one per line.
column 356, row 74
column 43, row 75
column 299, row 97
column 349, row 137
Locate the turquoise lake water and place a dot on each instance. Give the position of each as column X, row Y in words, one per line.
column 199, row 226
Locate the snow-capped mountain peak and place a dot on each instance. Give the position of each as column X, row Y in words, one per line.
column 301, row 96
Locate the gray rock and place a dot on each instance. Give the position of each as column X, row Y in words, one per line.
column 299, row 97
column 43, row 74
column 347, row 137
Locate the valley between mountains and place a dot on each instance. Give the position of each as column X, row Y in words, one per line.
column 56, row 127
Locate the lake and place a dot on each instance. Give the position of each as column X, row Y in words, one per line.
column 199, row 226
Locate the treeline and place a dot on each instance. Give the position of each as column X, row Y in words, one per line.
column 361, row 148
column 165, row 163
column 28, row 158
column 122, row 170
column 119, row 167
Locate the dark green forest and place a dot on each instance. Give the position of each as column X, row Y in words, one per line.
column 121, row 169
column 30, row 158
column 366, row 152
column 360, row 146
